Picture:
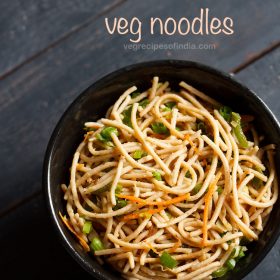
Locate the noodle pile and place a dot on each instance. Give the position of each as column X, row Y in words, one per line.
column 167, row 185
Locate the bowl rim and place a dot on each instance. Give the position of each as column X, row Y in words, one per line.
column 163, row 62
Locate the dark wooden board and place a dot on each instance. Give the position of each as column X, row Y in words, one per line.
column 33, row 98
column 28, row 27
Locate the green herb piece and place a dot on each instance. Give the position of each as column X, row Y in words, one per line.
column 188, row 174
column 157, row 175
column 144, row 103
column 135, row 94
column 220, row 272
column 160, row 128
column 96, row 244
column 241, row 253
column 127, row 116
column 178, row 128
column 118, row 189
column 169, row 106
column 197, row 188
column 139, row 154
column 120, row 204
column 107, row 132
column 167, row 260
column 103, row 189
column 87, row 227
column 225, row 112
column 219, row 190
column 237, row 130
column 230, row 263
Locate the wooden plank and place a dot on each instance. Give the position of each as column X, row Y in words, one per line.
column 263, row 77
column 34, row 97
column 29, row 27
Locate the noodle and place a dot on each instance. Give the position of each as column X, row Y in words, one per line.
column 165, row 187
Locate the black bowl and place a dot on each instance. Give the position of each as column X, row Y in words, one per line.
column 93, row 103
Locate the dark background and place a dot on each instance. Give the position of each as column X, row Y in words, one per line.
column 50, row 50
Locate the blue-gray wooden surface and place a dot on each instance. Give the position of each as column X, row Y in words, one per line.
column 50, row 50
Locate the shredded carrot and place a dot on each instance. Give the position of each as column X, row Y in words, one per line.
column 134, row 216
column 81, row 240
column 208, row 197
column 187, row 137
column 155, row 203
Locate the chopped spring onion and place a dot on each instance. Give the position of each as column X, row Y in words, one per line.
column 188, row 174
column 230, row 263
column 107, row 132
column 96, row 244
column 168, row 106
column 135, row 94
column 120, row 204
column 226, row 113
column 139, row 154
column 118, row 189
column 167, row 260
column 160, row 128
column 157, row 175
column 219, row 190
column 87, row 227
column 127, row 116
column 197, row 188
column 237, row 130
column 144, row 103
column 220, row 272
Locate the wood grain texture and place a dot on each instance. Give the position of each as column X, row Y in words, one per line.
column 34, row 97
column 264, row 78
column 28, row 27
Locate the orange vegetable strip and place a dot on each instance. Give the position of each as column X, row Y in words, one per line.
column 81, row 240
column 155, row 203
column 208, row 197
column 133, row 216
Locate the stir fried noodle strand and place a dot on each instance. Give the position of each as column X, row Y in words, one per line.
column 169, row 184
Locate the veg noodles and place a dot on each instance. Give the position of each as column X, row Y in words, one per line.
column 169, row 185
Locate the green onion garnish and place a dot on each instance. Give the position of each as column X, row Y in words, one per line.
column 197, row 188
column 237, row 130
column 188, row 174
column 220, row 272
column 257, row 182
column 167, row 260
column 230, row 263
column 157, row 175
column 87, row 227
column 168, row 106
column 120, row 204
column 127, row 116
column 96, row 244
column 226, row 113
column 139, row 154
column 160, row 128
column 118, row 189
column 201, row 126
column 107, row 132
column 219, row 190
column 135, row 94
column 144, row 103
